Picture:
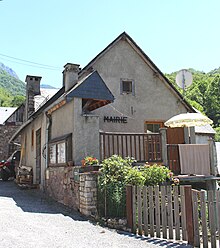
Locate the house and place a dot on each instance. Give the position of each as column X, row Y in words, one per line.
column 7, row 128
column 118, row 103
column 13, row 118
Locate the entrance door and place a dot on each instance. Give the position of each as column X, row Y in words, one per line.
column 175, row 136
column 38, row 156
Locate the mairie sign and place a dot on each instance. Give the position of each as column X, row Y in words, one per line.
column 116, row 119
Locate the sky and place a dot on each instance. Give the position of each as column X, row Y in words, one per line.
column 175, row 34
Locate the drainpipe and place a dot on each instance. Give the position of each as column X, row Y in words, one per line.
column 48, row 126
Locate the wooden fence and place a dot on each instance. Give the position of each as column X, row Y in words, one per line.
column 206, row 216
column 175, row 213
column 142, row 146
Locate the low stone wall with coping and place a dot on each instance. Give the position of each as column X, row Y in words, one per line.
column 73, row 189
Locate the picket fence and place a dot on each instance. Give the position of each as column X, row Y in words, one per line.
column 177, row 213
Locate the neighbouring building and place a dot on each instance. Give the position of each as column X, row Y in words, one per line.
column 8, row 126
column 118, row 103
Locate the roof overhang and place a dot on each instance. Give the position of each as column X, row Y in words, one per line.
column 93, row 90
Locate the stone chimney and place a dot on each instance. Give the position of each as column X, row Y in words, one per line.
column 32, row 89
column 70, row 75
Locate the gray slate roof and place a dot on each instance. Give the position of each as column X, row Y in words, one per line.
column 91, row 87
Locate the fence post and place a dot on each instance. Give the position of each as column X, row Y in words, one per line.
column 189, row 214
column 129, row 210
column 213, row 157
column 163, row 132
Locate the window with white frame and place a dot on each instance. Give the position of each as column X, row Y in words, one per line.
column 60, row 150
column 127, row 86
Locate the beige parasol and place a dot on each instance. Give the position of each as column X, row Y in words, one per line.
column 188, row 120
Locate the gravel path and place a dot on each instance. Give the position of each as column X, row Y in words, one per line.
column 29, row 219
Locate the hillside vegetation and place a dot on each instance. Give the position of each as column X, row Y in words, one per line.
column 204, row 94
column 12, row 90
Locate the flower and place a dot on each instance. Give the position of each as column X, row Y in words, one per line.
column 89, row 160
column 176, row 181
column 170, row 175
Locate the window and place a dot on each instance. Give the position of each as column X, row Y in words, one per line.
column 152, row 127
column 127, row 86
column 60, row 150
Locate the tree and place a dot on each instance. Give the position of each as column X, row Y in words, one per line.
column 5, row 98
column 212, row 101
column 17, row 101
column 217, row 135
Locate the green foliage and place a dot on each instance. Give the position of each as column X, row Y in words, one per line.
column 116, row 197
column 155, row 174
column 217, row 135
column 115, row 169
column 116, row 173
column 12, row 90
column 8, row 100
column 17, row 100
column 118, row 170
column 204, row 93
column 111, row 186
column 135, row 177
column 212, row 100
column 5, row 98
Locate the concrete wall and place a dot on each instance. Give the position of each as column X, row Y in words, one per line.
column 84, row 129
column 28, row 157
column 152, row 101
column 62, row 121
column 86, row 133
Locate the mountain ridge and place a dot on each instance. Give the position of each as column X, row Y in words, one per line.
column 9, row 70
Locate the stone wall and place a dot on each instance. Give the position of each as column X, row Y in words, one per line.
column 6, row 132
column 60, row 185
column 88, row 194
column 77, row 191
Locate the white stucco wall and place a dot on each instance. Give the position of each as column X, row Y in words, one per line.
column 29, row 158
column 84, row 129
column 86, row 133
column 62, row 121
column 152, row 101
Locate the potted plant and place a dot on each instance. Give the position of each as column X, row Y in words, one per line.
column 90, row 163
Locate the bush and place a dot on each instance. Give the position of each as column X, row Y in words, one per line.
column 115, row 169
column 156, row 174
column 116, row 173
column 111, row 186
column 135, row 177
